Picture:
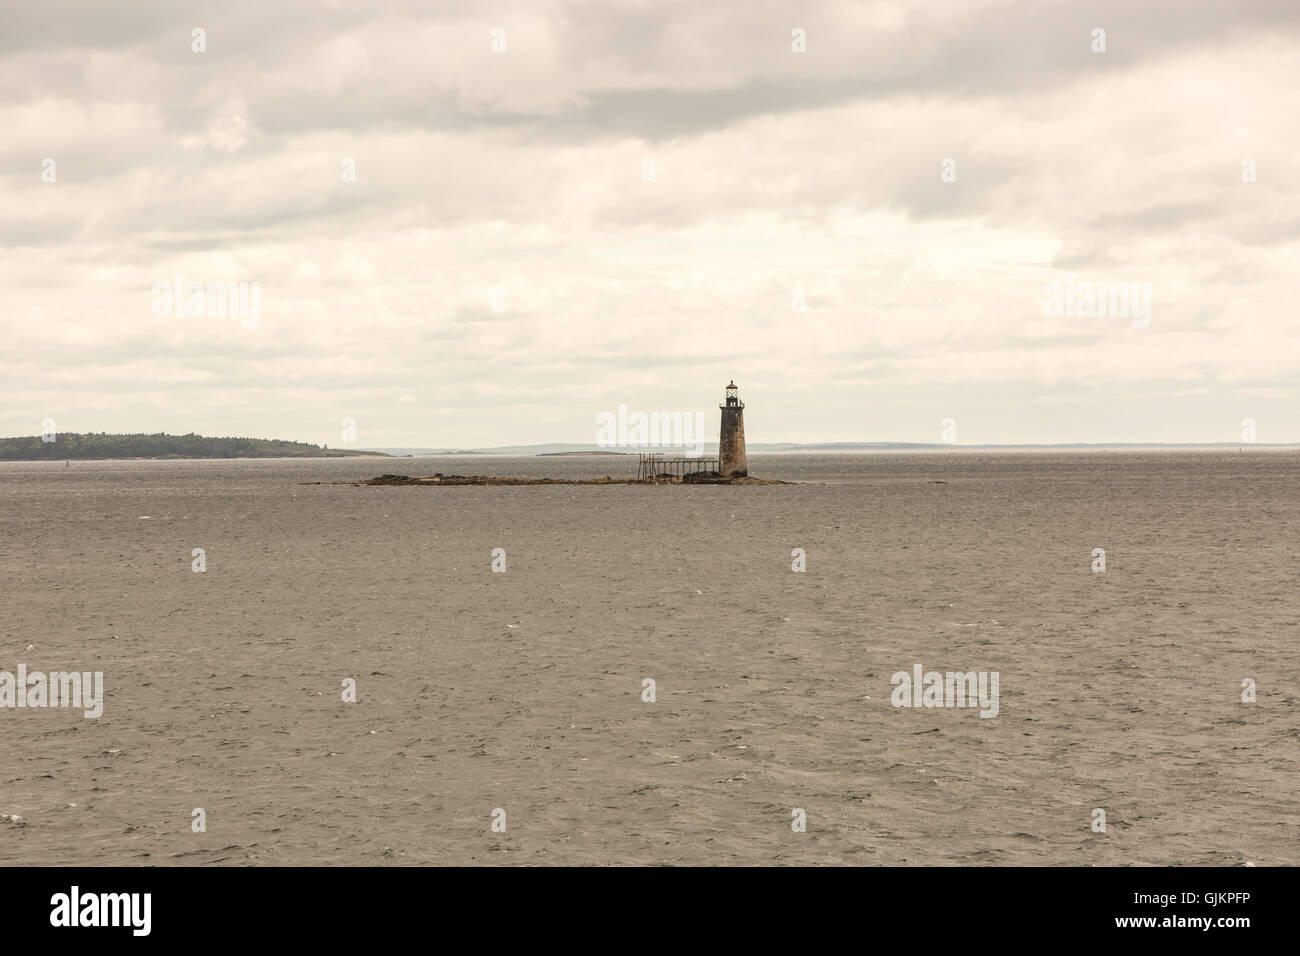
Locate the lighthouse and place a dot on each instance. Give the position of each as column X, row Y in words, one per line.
column 731, row 439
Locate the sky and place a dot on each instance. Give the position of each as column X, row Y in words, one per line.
column 467, row 224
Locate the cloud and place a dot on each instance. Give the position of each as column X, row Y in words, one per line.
column 524, row 173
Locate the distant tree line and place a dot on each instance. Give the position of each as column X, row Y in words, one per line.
column 160, row 445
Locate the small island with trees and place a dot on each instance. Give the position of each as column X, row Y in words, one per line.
column 70, row 445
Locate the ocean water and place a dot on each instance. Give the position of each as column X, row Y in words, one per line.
column 523, row 691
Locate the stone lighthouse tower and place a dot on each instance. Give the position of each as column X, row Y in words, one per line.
column 731, row 439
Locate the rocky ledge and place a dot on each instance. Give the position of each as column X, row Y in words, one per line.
column 441, row 479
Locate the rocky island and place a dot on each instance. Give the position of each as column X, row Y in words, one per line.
column 694, row 478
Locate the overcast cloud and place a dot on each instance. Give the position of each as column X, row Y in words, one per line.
column 775, row 172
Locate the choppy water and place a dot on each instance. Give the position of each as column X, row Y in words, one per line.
column 522, row 691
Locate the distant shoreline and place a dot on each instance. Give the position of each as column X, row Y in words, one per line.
column 911, row 450
column 191, row 447
column 160, row 446
column 563, row 454
column 553, row 451
column 60, row 461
